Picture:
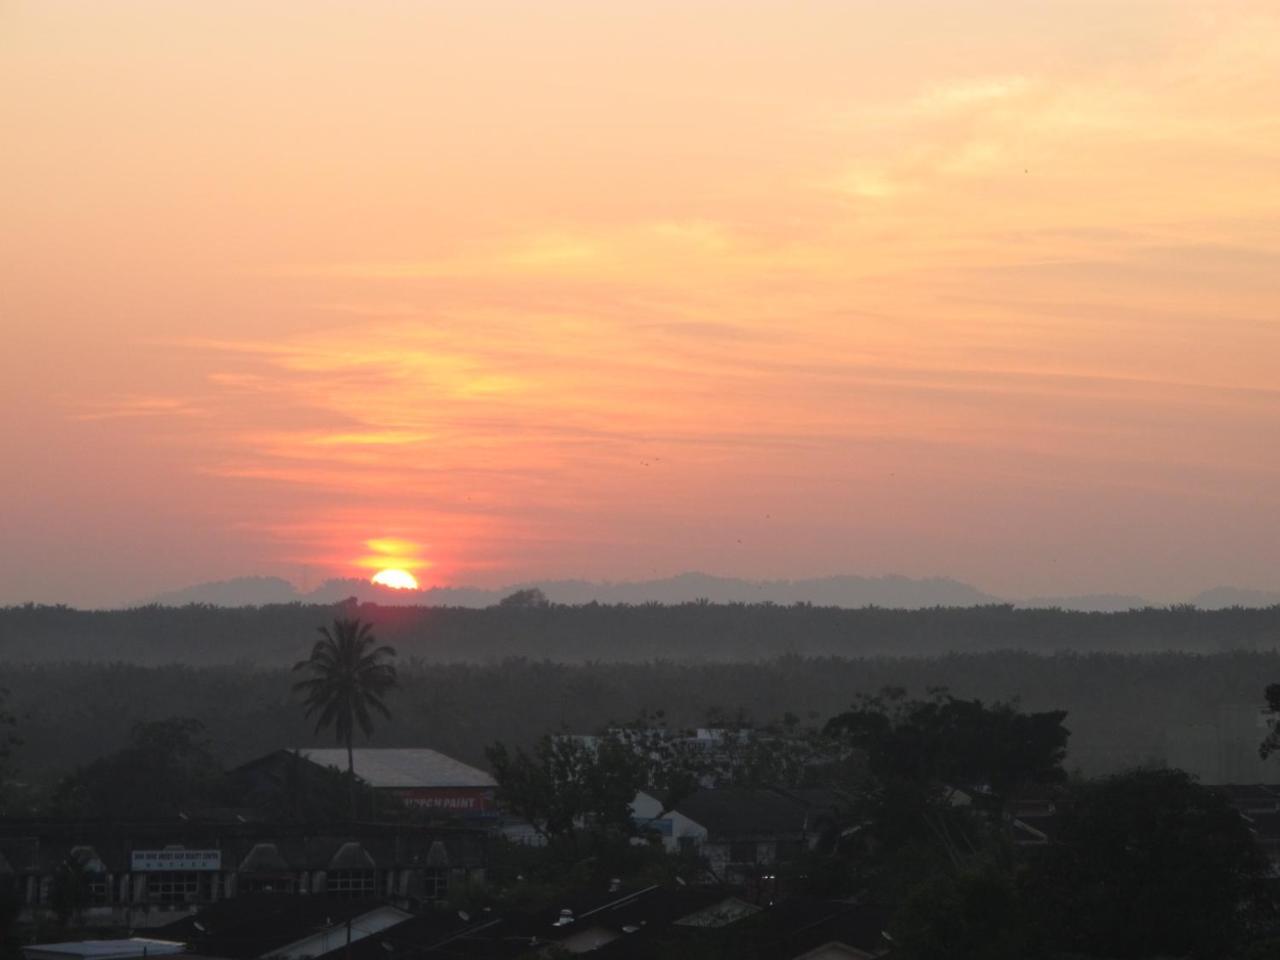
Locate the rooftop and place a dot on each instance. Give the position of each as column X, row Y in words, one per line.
column 255, row 925
column 402, row 768
column 756, row 811
column 104, row 949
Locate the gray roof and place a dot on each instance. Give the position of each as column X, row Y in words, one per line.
column 264, row 858
column 352, row 856
column 729, row 812
column 402, row 768
column 106, row 949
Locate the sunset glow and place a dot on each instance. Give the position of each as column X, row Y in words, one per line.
column 395, row 579
column 615, row 289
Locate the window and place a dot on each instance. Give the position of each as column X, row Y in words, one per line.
column 99, row 890
column 173, row 887
column 351, row 883
column 435, row 883
column 742, row 851
column 789, row 850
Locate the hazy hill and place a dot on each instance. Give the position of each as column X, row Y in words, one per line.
column 1220, row 598
column 843, row 591
column 895, row 592
column 237, row 592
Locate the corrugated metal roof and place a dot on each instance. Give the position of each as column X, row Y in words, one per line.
column 104, row 949
column 414, row 767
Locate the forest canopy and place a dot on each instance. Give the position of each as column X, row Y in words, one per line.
column 276, row 635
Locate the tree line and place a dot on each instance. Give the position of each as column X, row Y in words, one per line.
column 272, row 635
column 1125, row 710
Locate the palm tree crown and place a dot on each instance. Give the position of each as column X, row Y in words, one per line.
column 348, row 682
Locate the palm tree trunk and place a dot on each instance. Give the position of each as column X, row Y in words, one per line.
column 351, row 777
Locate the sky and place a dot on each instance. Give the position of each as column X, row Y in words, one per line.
column 501, row 291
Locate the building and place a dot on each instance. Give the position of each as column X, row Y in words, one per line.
column 418, row 777
column 144, row 875
column 741, row 832
column 606, row 920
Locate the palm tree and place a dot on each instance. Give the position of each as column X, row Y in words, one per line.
column 348, row 680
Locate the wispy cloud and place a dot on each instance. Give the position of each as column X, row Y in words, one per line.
column 135, row 406
column 969, row 92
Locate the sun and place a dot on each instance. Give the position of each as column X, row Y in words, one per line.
column 395, row 579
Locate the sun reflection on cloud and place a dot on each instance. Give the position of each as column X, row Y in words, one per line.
column 395, row 554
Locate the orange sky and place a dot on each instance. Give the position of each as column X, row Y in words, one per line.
column 507, row 290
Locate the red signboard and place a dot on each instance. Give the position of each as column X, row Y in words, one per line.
column 467, row 801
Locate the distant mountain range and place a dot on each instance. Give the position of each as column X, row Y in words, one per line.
column 1219, row 598
column 839, row 591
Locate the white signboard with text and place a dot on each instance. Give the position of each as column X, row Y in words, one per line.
column 144, row 860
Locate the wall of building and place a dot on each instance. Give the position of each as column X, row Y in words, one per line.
column 678, row 832
column 150, row 876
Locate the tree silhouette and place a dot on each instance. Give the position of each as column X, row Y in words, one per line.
column 168, row 767
column 1271, row 742
column 69, row 895
column 530, row 597
column 1160, row 866
column 7, row 742
column 348, row 680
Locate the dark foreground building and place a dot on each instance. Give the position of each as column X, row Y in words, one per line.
column 142, row 875
column 612, row 922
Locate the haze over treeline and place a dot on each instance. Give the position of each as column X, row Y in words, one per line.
column 276, row 635
column 1123, row 710
column 837, row 591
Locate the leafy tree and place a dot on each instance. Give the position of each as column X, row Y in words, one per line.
column 349, row 679
column 1150, row 864
column 947, row 743
column 167, row 768
column 972, row 914
column 571, row 782
column 565, row 784
column 7, row 742
column 530, row 597
column 940, row 774
column 306, row 792
column 781, row 754
column 1272, row 741
column 69, row 893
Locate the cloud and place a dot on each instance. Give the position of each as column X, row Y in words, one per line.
column 376, row 438
column 619, row 252
column 968, row 92
column 135, row 406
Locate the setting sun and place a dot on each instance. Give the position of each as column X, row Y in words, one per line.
column 395, row 579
